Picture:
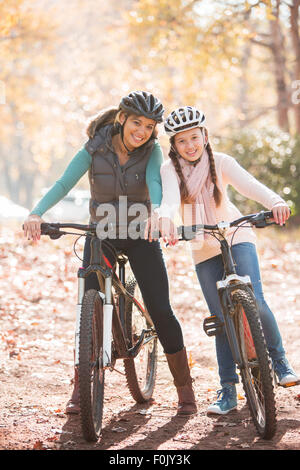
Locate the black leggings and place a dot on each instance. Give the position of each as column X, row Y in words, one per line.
column 147, row 263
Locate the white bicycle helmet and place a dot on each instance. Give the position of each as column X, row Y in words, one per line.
column 182, row 119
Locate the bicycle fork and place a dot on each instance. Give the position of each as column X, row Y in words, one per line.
column 107, row 319
column 225, row 287
column 107, row 322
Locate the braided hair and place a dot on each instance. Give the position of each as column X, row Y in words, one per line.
column 174, row 156
column 186, row 198
column 216, row 193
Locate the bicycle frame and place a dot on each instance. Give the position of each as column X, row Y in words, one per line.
column 113, row 322
column 225, row 287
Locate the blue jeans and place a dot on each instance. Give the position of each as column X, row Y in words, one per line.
column 211, row 271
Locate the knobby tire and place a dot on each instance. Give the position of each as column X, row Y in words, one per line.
column 140, row 383
column 256, row 372
column 90, row 370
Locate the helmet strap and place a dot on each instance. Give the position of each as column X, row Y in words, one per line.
column 121, row 131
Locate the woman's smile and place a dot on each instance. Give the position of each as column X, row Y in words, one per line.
column 138, row 139
column 137, row 131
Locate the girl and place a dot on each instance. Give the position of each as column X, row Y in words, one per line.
column 195, row 179
column 123, row 161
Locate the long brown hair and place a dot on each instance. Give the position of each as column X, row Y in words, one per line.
column 184, row 193
column 106, row 116
column 110, row 116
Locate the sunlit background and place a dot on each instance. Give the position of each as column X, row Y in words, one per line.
column 61, row 62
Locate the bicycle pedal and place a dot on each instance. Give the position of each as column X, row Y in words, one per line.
column 212, row 325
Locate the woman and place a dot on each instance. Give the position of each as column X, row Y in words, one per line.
column 194, row 180
column 123, row 161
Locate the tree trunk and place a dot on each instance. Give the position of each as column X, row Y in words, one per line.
column 242, row 95
column 294, row 19
column 278, row 51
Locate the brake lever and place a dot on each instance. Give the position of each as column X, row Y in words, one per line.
column 263, row 224
column 55, row 236
column 52, row 232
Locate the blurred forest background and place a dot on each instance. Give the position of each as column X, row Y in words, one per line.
column 62, row 61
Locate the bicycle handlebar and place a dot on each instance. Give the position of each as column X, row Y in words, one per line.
column 259, row 220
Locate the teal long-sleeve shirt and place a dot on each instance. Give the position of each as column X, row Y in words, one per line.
column 80, row 164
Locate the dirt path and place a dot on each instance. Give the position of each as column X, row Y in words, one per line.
column 36, row 357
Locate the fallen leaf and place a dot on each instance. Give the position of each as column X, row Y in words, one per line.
column 39, row 446
column 191, row 361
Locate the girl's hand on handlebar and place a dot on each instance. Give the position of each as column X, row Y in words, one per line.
column 168, row 230
column 160, row 226
column 281, row 213
column 32, row 227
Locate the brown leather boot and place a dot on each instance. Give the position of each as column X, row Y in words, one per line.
column 73, row 406
column 179, row 367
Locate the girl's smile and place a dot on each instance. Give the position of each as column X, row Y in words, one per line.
column 190, row 144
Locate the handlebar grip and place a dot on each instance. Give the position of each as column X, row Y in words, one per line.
column 51, row 230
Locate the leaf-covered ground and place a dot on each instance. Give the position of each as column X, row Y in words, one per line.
column 37, row 319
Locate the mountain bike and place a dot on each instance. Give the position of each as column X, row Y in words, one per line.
column 111, row 324
column 242, row 324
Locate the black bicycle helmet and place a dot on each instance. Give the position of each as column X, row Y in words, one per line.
column 143, row 103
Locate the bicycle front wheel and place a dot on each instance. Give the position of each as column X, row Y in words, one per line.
column 140, row 371
column 90, row 368
column 256, row 371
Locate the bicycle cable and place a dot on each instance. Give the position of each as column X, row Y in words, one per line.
column 243, row 225
column 74, row 246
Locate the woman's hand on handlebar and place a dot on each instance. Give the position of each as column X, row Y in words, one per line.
column 151, row 231
column 281, row 213
column 32, row 227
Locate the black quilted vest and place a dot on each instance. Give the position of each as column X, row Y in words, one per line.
column 109, row 180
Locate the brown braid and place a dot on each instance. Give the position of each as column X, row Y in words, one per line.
column 213, row 174
column 184, row 193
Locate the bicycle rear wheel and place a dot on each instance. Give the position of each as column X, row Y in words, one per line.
column 140, row 371
column 90, row 369
column 256, row 372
